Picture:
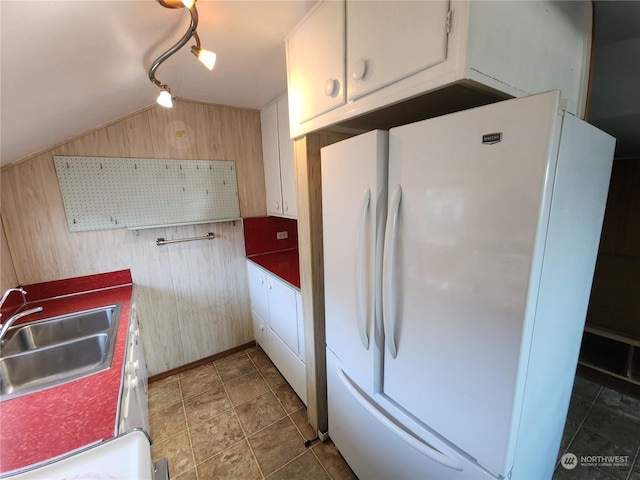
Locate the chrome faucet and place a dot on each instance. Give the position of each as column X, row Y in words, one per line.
column 8, row 292
column 8, row 323
column 17, row 316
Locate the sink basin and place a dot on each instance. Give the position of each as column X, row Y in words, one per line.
column 51, row 352
column 59, row 329
column 30, row 371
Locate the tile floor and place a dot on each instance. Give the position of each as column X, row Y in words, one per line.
column 237, row 418
column 601, row 422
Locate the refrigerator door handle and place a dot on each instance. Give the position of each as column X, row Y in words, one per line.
column 388, row 267
column 424, row 448
column 361, row 280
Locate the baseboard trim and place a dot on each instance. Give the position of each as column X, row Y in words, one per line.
column 197, row 363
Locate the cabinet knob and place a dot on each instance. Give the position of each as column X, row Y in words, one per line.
column 331, row 87
column 359, row 69
column 277, row 205
column 286, row 206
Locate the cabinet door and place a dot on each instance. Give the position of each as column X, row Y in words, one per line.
column 300, row 316
column 388, row 41
column 258, row 291
column 287, row 164
column 260, row 331
column 271, row 158
column 282, row 312
column 315, row 62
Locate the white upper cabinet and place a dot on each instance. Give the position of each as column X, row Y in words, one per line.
column 389, row 41
column 277, row 155
column 394, row 51
column 315, row 59
column 271, row 158
column 287, row 162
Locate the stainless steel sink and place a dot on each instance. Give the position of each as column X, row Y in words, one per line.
column 51, row 352
column 59, row 329
column 30, row 371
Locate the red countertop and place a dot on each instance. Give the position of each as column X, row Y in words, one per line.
column 272, row 242
column 285, row 265
column 40, row 426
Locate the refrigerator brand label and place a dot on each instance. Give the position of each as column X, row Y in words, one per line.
column 491, row 138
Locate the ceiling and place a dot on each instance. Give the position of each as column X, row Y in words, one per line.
column 68, row 66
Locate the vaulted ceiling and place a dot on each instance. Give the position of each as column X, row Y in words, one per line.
column 68, row 66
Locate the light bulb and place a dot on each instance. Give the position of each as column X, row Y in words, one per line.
column 188, row 3
column 207, row 57
column 164, row 99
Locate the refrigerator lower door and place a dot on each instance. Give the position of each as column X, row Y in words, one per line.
column 378, row 446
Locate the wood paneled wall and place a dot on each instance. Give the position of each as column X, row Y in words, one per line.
column 192, row 298
column 614, row 304
column 309, row 193
column 8, row 277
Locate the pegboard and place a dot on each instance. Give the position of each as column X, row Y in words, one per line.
column 104, row 192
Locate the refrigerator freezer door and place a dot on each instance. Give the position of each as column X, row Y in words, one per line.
column 354, row 174
column 378, row 446
column 473, row 184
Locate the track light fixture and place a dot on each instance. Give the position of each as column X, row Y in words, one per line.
column 207, row 57
column 164, row 98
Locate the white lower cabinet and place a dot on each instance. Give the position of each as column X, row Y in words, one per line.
column 276, row 310
column 259, row 330
column 133, row 409
column 290, row 366
column 300, row 326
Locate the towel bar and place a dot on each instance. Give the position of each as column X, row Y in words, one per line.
column 162, row 241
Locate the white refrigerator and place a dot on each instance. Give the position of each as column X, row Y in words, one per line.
column 459, row 254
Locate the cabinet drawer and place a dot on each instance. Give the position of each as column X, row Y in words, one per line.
column 289, row 365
